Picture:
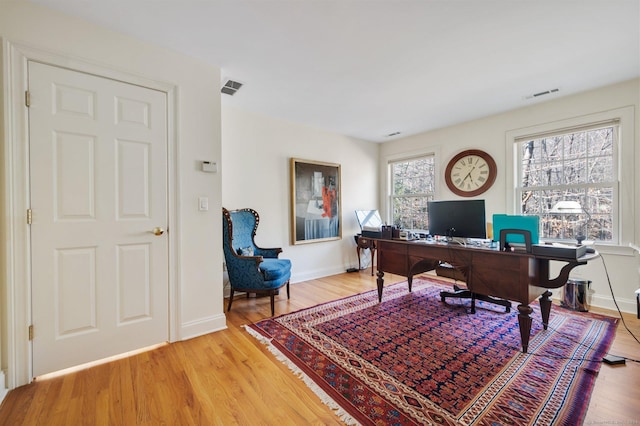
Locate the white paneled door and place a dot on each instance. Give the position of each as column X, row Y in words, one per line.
column 99, row 249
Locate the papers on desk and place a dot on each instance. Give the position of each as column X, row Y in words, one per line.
column 370, row 223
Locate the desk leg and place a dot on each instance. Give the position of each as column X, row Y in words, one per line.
column 380, row 282
column 373, row 256
column 358, row 252
column 545, row 308
column 524, row 320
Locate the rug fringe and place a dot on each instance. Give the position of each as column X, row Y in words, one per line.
column 324, row 397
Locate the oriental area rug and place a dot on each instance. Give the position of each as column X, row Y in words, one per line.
column 414, row 360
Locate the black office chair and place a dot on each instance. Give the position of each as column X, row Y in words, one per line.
column 464, row 293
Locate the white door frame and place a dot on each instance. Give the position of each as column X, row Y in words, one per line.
column 15, row 182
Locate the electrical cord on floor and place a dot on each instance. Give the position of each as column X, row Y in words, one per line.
column 551, row 356
column 580, row 343
column 542, row 355
column 366, row 266
column 619, row 315
column 570, row 338
column 606, row 271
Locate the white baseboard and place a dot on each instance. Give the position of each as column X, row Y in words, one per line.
column 3, row 389
column 313, row 275
column 606, row 302
column 203, row 326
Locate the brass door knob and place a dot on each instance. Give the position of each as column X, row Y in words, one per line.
column 158, row 231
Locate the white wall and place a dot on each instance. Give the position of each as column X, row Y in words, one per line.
column 490, row 134
column 255, row 166
column 253, row 155
column 197, row 304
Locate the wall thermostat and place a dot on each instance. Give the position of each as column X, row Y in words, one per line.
column 209, row 167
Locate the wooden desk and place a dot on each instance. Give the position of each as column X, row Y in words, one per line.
column 515, row 276
column 366, row 243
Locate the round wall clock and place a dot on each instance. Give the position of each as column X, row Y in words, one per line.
column 470, row 173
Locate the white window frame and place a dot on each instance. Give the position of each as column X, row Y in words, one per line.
column 386, row 178
column 624, row 190
column 614, row 125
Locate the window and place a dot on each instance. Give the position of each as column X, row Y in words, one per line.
column 577, row 166
column 412, row 185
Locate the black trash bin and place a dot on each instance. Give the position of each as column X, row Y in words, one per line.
column 576, row 294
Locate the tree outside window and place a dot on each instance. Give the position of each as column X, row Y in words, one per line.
column 412, row 185
column 579, row 166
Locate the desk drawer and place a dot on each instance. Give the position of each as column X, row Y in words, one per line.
column 366, row 242
column 392, row 258
column 502, row 275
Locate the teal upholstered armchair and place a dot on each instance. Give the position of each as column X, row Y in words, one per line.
column 251, row 269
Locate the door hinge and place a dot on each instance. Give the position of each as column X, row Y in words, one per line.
column 30, row 332
column 27, row 99
column 29, row 216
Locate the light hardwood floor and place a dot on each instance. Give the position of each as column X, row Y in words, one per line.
column 227, row 377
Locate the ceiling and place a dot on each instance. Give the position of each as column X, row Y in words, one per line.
column 367, row 69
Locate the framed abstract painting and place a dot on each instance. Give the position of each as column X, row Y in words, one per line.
column 315, row 201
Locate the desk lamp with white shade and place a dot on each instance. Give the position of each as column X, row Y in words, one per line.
column 572, row 207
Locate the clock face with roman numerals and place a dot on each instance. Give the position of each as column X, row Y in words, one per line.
column 470, row 173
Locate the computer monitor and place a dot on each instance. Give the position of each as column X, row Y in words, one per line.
column 457, row 218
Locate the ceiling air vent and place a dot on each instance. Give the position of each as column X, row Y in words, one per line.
column 545, row 92
column 231, row 87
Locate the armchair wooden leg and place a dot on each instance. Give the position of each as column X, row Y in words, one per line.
column 288, row 294
column 273, row 308
column 230, row 300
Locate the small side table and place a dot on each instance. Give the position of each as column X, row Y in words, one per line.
column 366, row 243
